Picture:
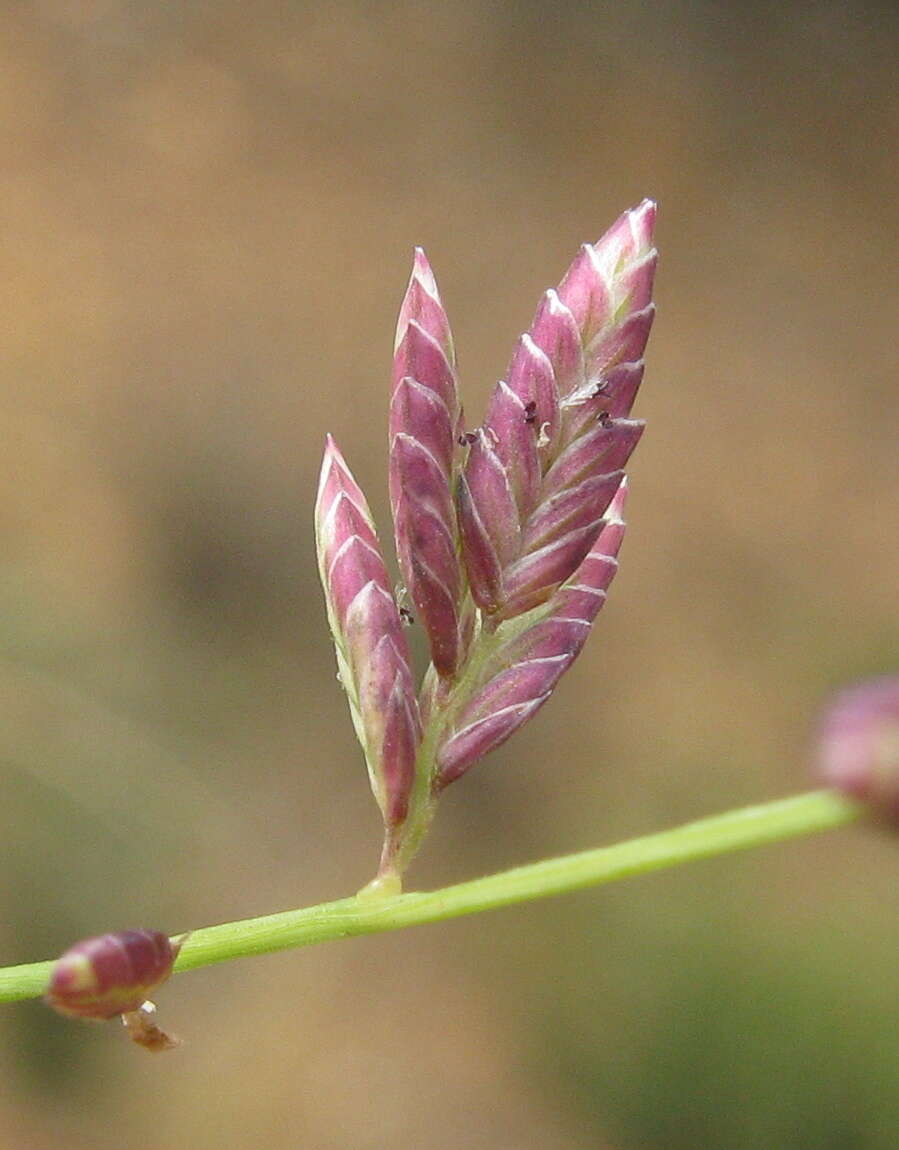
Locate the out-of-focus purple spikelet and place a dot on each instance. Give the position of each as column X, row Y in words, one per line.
column 543, row 470
column 372, row 653
column 110, row 974
column 858, row 745
column 114, row 975
column 425, row 425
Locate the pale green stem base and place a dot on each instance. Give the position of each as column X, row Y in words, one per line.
column 719, row 834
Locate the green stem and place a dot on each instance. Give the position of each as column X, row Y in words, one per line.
column 720, row 834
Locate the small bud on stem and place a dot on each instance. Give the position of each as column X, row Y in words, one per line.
column 113, row 974
column 858, row 745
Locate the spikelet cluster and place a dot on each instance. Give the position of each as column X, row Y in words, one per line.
column 507, row 535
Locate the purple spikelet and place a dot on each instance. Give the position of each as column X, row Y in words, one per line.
column 113, row 975
column 372, row 653
column 527, row 663
column 425, row 425
column 548, row 461
column 507, row 536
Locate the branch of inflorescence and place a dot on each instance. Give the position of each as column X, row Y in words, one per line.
column 735, row 830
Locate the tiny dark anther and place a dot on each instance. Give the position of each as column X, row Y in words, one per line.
column 467, row 438
column 604, row 418
column 530, row 411
column 407, row 617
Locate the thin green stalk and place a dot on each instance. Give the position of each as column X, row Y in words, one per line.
column 720, row 834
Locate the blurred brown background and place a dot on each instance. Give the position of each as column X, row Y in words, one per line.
column 207, row 217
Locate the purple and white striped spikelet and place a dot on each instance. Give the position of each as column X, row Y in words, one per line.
column 542, row 494
column 548, row 461
column 372, row 652
column 425, row 425
column 507, row 536
column 527, row 661
column 114, row 974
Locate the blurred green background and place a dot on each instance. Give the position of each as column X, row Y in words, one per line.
column 207, row 216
